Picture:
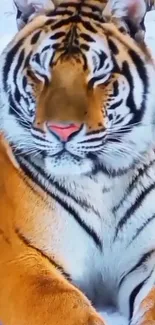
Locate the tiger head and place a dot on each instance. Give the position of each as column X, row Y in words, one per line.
column 76, row 90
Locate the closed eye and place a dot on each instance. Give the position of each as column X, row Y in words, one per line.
column 98, row 80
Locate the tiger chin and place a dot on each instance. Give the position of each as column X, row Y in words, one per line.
column 77, row 165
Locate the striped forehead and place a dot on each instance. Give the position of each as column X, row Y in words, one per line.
column 96, row 58
column 47, row 39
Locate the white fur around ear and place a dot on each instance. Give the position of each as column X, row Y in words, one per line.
column 28, row 9
column 134, row 10
column 37, row 5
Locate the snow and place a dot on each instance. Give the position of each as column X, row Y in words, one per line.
column 7, row 31
column 7, row 23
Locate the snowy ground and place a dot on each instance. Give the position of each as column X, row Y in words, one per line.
column 7, row 31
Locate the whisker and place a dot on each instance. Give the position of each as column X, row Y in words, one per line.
column 20, row 115
column 129, row 127
column 121, row 151
column 31, row 151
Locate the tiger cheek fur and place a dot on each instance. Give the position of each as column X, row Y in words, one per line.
column 77, row 162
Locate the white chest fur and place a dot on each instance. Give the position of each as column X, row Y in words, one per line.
column 100, row 229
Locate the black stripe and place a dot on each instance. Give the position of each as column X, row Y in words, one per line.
column 24, row 82
column 49, row 21
column 133, row 297
column 35, row 37
column 102, row 57
column 92, row 8
column 55, row 264
column 141, row 70
column 74, row 9
column 38, row 137
column 67, row 4
column 130, row 211
column 46, row 48
column 17, row 93
column 99, row 146
column 85, row 47
column 80, row 202
column 14, row 110
column 116, row 68
column 131, row 187
column 96, row 131
column 81, row 223
column 36, row 58
column 130, row 101
column 140, row 65
column 46, row 80
column 27, row 60
column 92, row 16
column 87, row 37
column 95, row 79
column 59, row 12
column 115, row 105
column 140, row 263
column 63, row 204
column 85, row 63
column 89, row 27
column 63, row 22
column 57, row 35
column 99, row 167
column 135, row 293
column 19, row 13
column 115, row 86
column 113, row 47
column 92, row 140
column 140, row 229
column 8, row 62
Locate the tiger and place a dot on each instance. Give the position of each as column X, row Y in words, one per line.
column 77, row 166
column 31, row 8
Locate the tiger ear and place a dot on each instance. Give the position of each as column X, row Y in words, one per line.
column 28, row 9
column 131, row 9
column 131, row 12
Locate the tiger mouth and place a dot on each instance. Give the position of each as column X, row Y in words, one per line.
column 61, row 153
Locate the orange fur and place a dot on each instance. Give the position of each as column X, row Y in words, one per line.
column 148, row 306
column 69, row 99
column 32, row 290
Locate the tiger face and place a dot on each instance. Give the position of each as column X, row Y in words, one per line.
column 77, row 92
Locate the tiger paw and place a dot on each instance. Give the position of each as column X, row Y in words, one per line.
column 75, row 310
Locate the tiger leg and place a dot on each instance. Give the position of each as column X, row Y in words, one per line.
column 146, row 312
column 34, row 292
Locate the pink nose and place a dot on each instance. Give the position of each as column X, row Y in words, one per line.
column 63, row 130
